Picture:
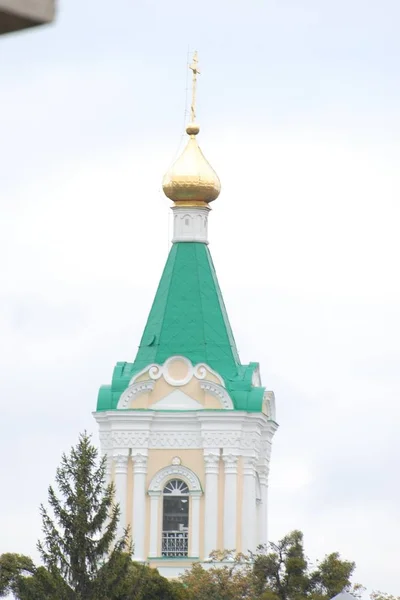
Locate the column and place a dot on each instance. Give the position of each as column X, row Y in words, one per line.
column 120, row 480
column 263, row 507
column 194, row 525
column 249, row 509
column 211, row 463
column 155, row 531
column 230, row 500
column 139, row 505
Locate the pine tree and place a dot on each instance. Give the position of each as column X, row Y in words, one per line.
column 80, row 549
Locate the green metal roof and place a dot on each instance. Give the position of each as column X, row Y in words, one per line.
column 189, row 318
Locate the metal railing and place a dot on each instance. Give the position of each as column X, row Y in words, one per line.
column 174, row 543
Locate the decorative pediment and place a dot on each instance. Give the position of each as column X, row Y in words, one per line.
column 178, row 371
column 177, row 400
column 176, row 385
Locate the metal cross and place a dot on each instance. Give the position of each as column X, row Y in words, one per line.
column 196, row 72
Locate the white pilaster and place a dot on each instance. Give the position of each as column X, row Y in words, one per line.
column 108, row 471
column 139, row 505
column 230, row 468
column 155, row 532
column 120, row 480
column 249, row 508
column 263, row 508
column 211, row 462
column 190, row 224
column 195, row 525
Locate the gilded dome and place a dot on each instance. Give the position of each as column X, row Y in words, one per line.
column 191, row 180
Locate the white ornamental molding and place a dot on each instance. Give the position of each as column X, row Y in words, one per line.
column 108, row 466
column 251, row 440
column 269, row 405
column 249, row 466
column 129, row 439
column 256, row 377
column 231, row 463
column 175, row 439
column 156, row 371
column 121, row 463
column 133, row 391
column 160, row 479
column 263, row 474
column 211, row 462
column 221, row 439
column 155, row 439
column 218, row 392
column 105, row 441
column 139, row 463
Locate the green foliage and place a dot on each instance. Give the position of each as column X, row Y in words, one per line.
column 13, row 567
column 383, row 596
column 230, row 582
column 82, row 558
column 144, row 583
column 139, row 582
column 280, row 571
column 331, row 576
column 79, row 548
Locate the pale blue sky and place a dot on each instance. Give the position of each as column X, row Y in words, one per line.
column 299, row 112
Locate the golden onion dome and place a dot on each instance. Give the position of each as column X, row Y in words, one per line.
column 191, row 181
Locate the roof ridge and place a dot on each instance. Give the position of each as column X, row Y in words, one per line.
column 202, row 307
column 169, row 290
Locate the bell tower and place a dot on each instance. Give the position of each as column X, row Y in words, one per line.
column 186, row 427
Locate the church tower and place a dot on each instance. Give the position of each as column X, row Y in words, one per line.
column 186, row 427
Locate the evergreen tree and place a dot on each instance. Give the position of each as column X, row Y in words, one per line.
column 80, row 550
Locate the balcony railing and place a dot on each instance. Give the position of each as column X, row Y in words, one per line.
column 174, row 543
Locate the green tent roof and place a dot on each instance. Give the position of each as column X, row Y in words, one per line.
column 188, row 318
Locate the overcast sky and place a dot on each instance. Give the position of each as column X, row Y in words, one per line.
column 299, row 106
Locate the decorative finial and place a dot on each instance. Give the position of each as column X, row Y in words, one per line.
column 193, row 128
column 192, row 181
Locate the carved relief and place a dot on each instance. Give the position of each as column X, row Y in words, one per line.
column 211, row 462
column 218, row 392
column 221, row 439
column 133, row 392
column 130, row 439
column 121, row 463
column 166, row 370
column 231, row 463
column 251, row 440
column 175, row 439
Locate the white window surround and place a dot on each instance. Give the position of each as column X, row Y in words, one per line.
column 155, row 491
column 162, row 477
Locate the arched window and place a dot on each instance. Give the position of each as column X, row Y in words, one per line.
column 175, row 518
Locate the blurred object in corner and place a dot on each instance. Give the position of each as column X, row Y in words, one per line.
column 21, row 14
